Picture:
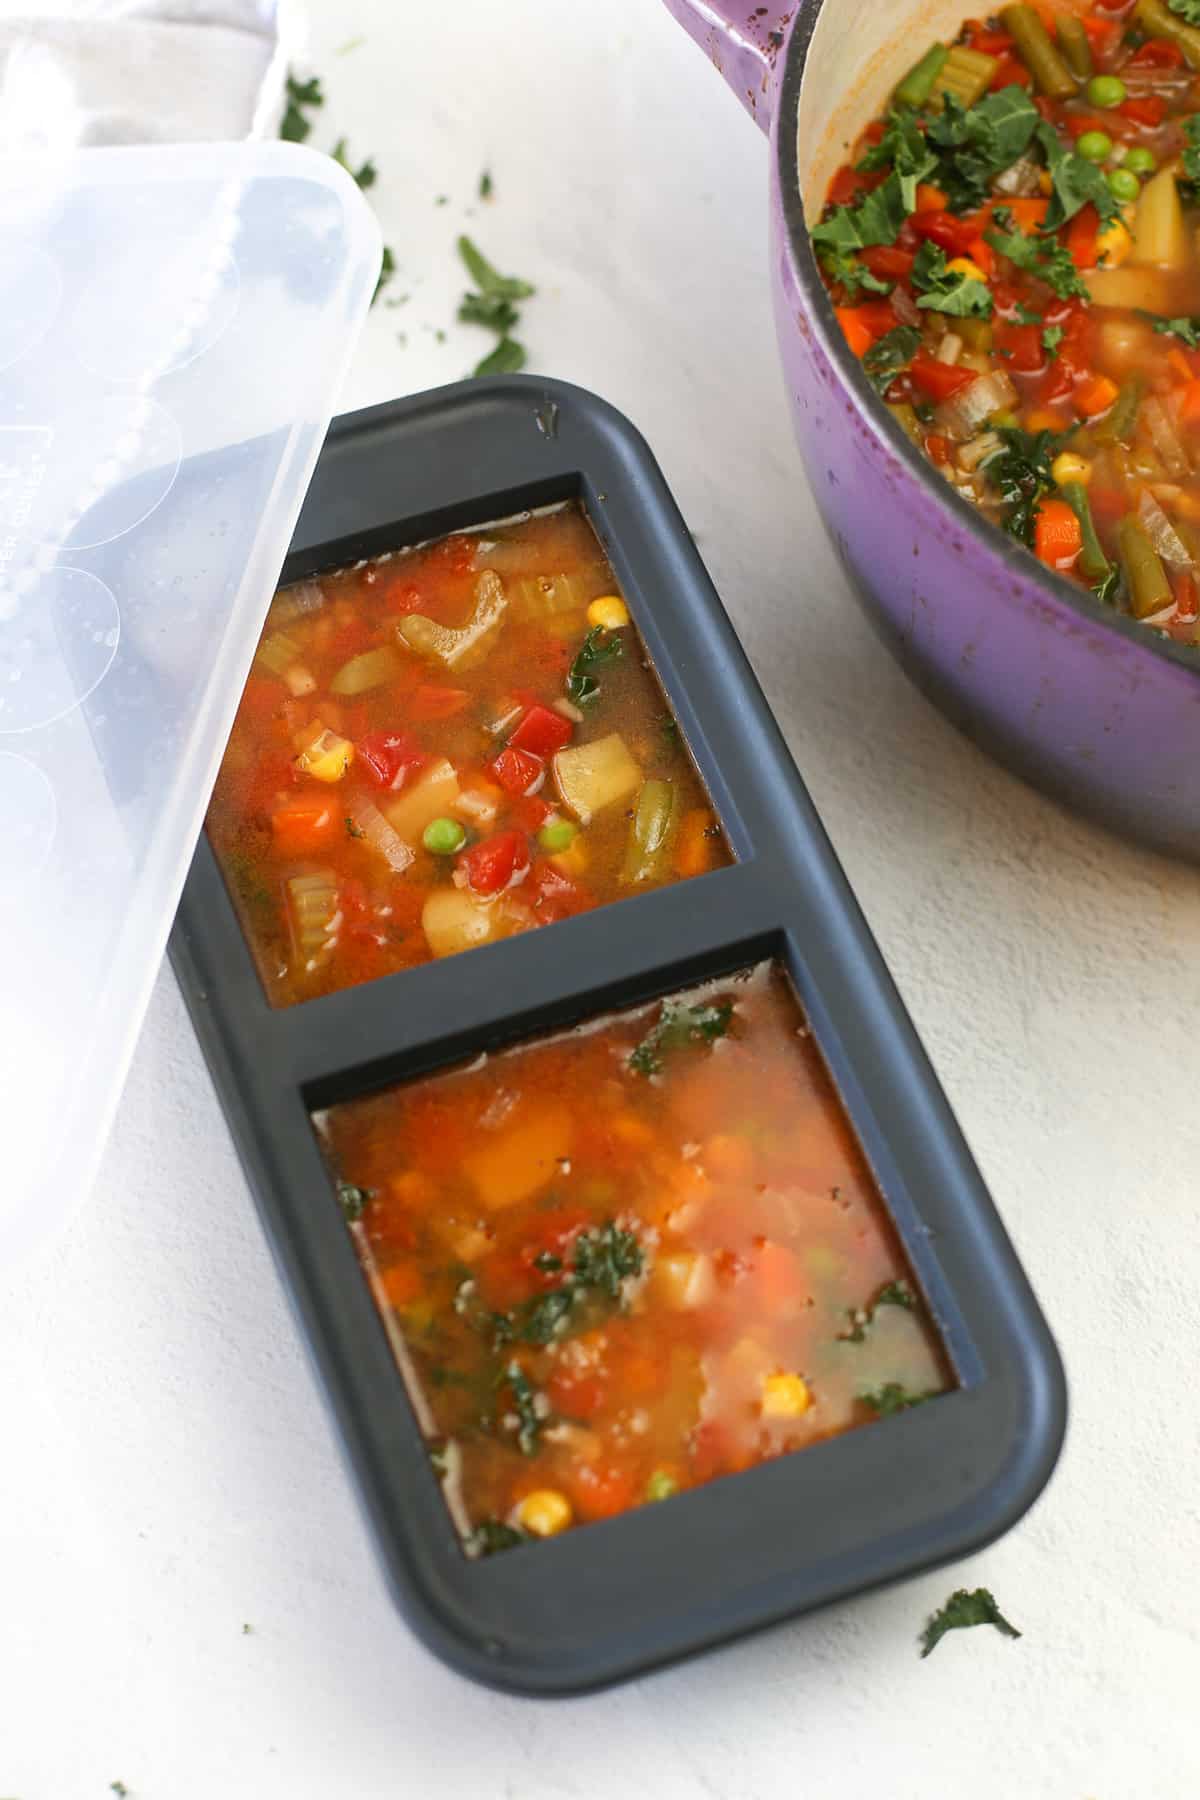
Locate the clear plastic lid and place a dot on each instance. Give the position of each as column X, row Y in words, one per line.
column 174, row 326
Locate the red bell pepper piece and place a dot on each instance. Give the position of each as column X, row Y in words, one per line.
column 493, row 864
column 887, row 261
column 542, row 731
column 1148, row 109
column 518, row 771
column 391, row 756
column 939, row 380
column 1157, row 53
column 1021, row 346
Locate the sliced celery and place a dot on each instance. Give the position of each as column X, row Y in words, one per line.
column 966, row 74
column 650, row 833
column 917, row 85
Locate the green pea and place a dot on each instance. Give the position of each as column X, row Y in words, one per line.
column 557, row 835
column 1123, row 184
column 661, row 1485
column 1140, row 161
column 1106, row 90
column 1096, row 146
column 442, row 837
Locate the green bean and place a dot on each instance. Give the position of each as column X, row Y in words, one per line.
column 1092, row 561
column 1073, row 42
column 907, row 420
column 1157, row 20
column 966, row 74
column 917, row 85
column 1116, row 425
column 1036, row 50
column 650, row 833
column 1149, row 589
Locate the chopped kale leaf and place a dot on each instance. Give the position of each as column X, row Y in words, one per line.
column 963, row 1609
column 889, row 354
column 947, row 290
column 598, row 647
column 893, row 1397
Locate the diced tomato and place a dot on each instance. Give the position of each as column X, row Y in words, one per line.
column 953, row 235
column 1189, row 405
column 601, row 1490
column 575, row 1393
column 939, row 380
column 874, row 132
column 938, row 447
column 1010, row 72
column 886, row 261
column 1184, row 587
column 529, row 812
column 990, row 43
column 1104, row 34
column 518, row 771
column 1157, row 53
column 390, row 756
column 428, row 702
column 846, row 186
column 557, row 896
column 1021, row 346
column 402, row 597
column 1147, row 109
column 492, row 864
column 542, row 731
column 878, row 317
column 1082, row 233
column 348, row 640
column 260, row 698
column 302, row 825
column 1058, row 536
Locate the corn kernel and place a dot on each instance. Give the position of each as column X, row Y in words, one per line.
column 609, row 611
column 962, row 265
column 327, row 757
column 785, row 1397
column 1069, row 467
column 544, row 1513
column 1113, row 245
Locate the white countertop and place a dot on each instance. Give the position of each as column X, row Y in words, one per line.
column 170, row 1476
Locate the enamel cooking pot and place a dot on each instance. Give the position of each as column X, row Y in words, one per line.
column 1082, row 702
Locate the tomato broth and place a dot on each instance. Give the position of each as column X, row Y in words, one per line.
column 442, row 747
column 619, row 1262
column 1013, row 251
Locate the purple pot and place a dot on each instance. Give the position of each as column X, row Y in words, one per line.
column 1083, row 703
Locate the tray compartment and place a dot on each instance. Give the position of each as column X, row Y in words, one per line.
column 925, row 1486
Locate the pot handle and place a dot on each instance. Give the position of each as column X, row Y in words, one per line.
column 742, row 40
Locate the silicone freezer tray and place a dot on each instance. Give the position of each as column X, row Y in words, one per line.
column 902, row 1494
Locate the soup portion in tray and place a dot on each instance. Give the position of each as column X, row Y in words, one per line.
column 1013, row 253
column 442, row 747
column 624, row 1260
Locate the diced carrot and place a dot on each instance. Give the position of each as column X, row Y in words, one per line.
column 513, row 1164
column 1094, row 396
column 1189, row 405
column 858, row 333
column 982, row 255
column 887, row 261
column 1178, row 364
column 1058, row 536
column 1028, row 210
column 301, row 825
column 938, row 447
column 930, row 198
column 1082, row 233
column 695, row 850
column 1145, row 109
column 1184, row 586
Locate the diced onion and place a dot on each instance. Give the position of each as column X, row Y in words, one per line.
column 568, row 711
column 905, row 307
column 950, row 348
column 959, row 416
column 367, row 819
column 1162, row 533
column 1021, row 177
column 1165, row 438
column 300, row 600
column 979, row 449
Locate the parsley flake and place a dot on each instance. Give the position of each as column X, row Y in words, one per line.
column 963, row 1609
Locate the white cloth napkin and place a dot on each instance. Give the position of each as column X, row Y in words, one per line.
column 76, row 72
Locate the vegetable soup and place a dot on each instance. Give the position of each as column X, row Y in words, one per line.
column 619, row 1262
column 442, row 747
column 1013, row 254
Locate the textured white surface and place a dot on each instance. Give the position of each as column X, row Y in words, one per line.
column 169, row 1473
